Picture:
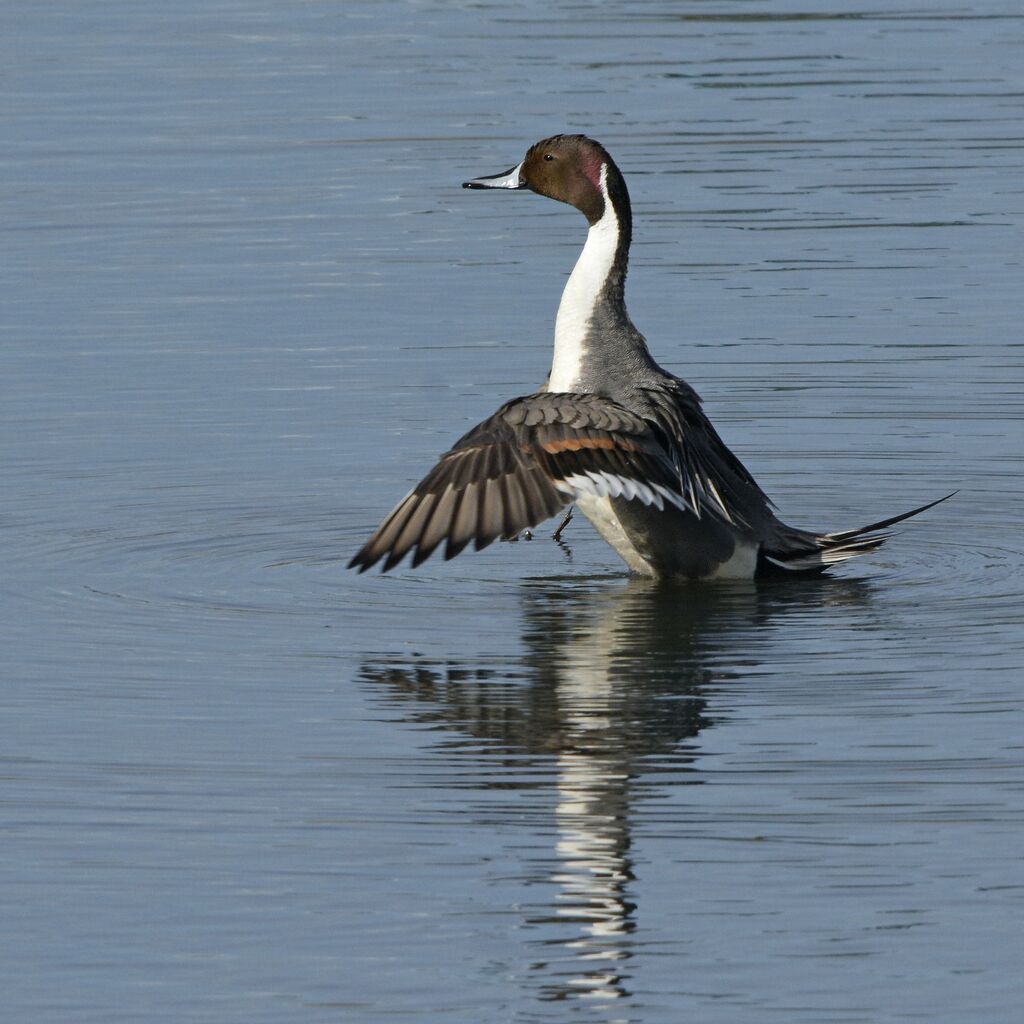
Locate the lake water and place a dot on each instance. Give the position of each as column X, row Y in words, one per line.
column 246, row 303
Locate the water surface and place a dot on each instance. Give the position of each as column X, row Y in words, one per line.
column 246, row 304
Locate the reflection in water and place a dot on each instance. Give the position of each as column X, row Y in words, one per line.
column 608, row 691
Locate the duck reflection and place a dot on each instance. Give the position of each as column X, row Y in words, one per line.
column 608, row 699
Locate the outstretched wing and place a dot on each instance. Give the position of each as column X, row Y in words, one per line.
column 531, row 458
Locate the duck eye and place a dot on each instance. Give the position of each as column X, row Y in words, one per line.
column 549, row 156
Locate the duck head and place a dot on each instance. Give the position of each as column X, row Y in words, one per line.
column 573, row 169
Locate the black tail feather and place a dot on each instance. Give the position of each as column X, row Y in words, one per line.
column 883, row 523
column 812, row 554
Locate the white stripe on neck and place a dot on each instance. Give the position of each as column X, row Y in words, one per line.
column 580, row 296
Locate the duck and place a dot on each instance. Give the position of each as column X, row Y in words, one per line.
column 611, row 432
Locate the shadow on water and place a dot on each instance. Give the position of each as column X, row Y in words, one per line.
column 606, row 702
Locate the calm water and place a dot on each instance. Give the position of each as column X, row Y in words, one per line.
column 245, row 303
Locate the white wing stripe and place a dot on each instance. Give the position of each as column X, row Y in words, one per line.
column 613, row 485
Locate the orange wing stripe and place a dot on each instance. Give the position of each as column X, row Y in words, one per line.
column 574, row 444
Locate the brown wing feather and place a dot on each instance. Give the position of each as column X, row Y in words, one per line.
column 517, row 469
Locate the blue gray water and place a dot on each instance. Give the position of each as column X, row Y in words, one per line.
column 245, row 304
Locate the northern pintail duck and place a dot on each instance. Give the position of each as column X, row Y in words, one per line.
column 611, row 431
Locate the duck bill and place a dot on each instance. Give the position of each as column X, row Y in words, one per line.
column 512, row 178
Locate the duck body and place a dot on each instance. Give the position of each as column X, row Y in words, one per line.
column 612, row 432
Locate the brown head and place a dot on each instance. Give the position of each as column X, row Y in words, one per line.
column 570, row 168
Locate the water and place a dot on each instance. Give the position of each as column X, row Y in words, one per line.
column 246, row 304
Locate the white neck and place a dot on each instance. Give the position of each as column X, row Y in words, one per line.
column 581, row 294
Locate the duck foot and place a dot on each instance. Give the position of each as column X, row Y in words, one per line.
column 557, row 535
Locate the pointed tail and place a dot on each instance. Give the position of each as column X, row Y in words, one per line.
column 827, row 549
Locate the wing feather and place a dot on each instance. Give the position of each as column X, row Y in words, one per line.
column 513, row 508
column 462, row 526
column 711, row 477
column 435, row 529
column 414, row 515
column 490, row 520
column 392, row 526
column 524, row 464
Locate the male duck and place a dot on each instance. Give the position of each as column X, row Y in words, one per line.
column 612, row 432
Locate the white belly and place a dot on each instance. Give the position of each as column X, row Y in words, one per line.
column 600, row 512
